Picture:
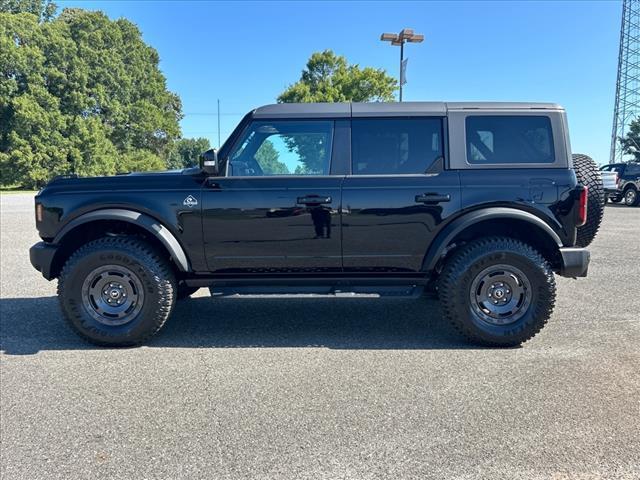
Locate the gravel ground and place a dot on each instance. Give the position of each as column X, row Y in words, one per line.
column 329, row 388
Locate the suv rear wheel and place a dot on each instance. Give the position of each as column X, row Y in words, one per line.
column 497, row 291
column 117, row 291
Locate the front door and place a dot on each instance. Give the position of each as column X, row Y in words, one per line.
column 398, row 194
column 278, row 209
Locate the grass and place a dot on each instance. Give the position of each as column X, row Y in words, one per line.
column 13, row 190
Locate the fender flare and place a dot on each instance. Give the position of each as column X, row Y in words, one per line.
column 442, row 240
column 150, row 224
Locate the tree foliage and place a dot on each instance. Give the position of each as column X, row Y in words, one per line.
column 268, row 158
column 631, row 142
column 184, row 152
column 44, row 10
column 329, row 78
column 79, row 93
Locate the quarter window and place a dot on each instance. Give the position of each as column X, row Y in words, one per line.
column 509, row 139
column 395, row 146
column 283, row 148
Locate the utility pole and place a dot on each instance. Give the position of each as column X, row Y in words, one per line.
column 218, row 123
column 405, row 35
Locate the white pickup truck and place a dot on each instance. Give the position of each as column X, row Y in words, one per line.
column 609, row 182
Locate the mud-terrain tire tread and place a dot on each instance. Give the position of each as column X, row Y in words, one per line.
column 450, row 284
column 147, row 256
column 590, row 176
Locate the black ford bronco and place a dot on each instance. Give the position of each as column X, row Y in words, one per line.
column 479, row 202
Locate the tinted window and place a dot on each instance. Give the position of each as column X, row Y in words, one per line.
column 395, row 146
column 632, row 169
column 509, row 139
column 283, row 148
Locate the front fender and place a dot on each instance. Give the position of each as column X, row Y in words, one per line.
column 150, row 224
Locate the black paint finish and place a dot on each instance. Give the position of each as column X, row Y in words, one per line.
column 333, row 225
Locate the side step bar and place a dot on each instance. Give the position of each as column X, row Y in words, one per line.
column 300, row 291
column 297, row 282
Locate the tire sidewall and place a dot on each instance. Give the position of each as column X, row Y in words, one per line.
column 512, row 333
column 73, row 305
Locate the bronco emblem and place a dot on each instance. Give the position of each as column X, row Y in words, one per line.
column 190, row 201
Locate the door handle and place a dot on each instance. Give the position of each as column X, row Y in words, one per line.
column 433, row 198
column 212, row 183
column 313, row 199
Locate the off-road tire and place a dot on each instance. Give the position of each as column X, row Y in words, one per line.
column 184, row 291
column 590, row 176
column 153, row 272
column 629, row 200
column 466, row 264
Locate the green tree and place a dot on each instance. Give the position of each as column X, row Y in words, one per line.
column 268, row 158
column 44, row 10
column 329, row 78
column 184, row 152
column 79, row 93
column 631, row 142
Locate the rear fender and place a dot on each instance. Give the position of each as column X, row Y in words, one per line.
column 438, row 247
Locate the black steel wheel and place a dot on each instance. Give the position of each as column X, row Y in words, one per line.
column 117, row 291
column 497, row 291
column 112, row 295
column 500, row 294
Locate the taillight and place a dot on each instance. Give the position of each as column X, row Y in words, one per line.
column 39, row 212
column 582, row 206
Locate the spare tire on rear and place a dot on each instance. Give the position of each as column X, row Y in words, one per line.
column 589, row 175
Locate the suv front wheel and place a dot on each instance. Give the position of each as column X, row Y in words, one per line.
column 117, row 291
column 497, row 291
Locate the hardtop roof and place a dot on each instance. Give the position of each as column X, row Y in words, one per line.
column 385, row 109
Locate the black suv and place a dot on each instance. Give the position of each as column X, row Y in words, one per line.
column 479, row 201
column 628, row 182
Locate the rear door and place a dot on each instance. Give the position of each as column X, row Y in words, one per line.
column 398, row 193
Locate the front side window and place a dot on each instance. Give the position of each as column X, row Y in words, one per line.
column 501, row 139
column 395, row 146
column 283, row 148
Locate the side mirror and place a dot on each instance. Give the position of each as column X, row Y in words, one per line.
column 209, row 162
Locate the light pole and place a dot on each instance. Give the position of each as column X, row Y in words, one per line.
column 405, row 35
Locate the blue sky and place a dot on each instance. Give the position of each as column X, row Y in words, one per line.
column 246, row 53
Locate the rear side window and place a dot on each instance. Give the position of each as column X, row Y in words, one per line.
column 503, row 139
column 632, row 169
column 395, row 146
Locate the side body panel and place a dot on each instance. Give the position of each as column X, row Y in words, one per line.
column 258, row 225
column 546, row 193
column 160, row 196
column 385, row 228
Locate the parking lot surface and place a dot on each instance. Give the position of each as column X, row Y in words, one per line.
column 323, row 388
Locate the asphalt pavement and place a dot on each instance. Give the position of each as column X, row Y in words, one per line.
column 323, row 388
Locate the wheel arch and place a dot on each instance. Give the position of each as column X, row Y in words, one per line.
column 492, row 221
column 138, row 222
